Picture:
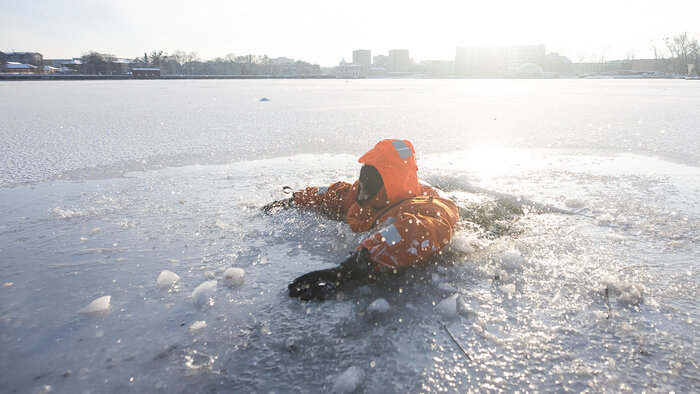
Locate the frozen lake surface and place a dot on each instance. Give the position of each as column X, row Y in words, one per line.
column 575, row 265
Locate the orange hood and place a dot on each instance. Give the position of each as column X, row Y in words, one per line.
column 396, row 162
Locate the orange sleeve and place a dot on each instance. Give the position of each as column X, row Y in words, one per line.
column 332, row 200
column 418, row 232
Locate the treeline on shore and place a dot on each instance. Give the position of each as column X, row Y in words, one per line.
column 188, row 63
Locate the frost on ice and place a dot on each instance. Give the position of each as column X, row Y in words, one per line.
column 204, row 293
column 167, row 279
column 348, row 381
column 234, row 277
column 99, row 305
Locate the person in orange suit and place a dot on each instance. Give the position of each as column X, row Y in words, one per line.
column 406, row 222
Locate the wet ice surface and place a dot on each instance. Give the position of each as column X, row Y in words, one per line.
column 571, row 270
column 523, row 293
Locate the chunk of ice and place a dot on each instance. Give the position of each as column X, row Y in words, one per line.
column 377, row 308
column 204, row 293
column 97, row 306
column 508, row 289
column 234, row 277
column 167, row 278
column 448, row 306
column 198, row 325
column 348, row 381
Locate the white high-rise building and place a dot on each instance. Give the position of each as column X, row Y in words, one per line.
column 363, row 57
column 399, row 60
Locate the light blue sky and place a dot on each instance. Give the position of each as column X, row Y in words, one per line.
column 325, row 31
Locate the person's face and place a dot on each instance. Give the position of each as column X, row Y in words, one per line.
column 363, row 195
column 369, row 184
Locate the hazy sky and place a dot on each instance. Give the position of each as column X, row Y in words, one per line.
column 323, row 32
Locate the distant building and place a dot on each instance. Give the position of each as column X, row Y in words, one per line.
column 54, row 62
column 33, row 58
column 438, row 67
column 348, row 70
column 655, row 65
column 19, row 68
column 648, row 68
column 363, row 57
column 288, row 69
column 72, row 66
column 282, row 60
column 398, row 60
column 555, row 63
column 50, row 69
column 381, row 61
column 376, row 71
column 2, row 58
column 496, row 61
column 145, row 73
column 285, row 66
column 529, row 70
column 121, row 67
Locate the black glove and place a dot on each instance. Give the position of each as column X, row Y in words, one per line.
column 320, row 284
column 279, row 204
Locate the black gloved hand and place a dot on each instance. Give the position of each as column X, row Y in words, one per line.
column 279, row 204
column 320, row 284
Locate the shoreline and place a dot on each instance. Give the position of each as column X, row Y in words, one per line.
column 85, row 77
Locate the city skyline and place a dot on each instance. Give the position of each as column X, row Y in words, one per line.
column 317, row 32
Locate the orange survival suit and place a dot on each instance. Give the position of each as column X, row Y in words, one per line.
column 411, row 222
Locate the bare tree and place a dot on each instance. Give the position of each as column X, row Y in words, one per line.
column 156, row 58
column 695, row 53
column 97, row 63
column 680, row 48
